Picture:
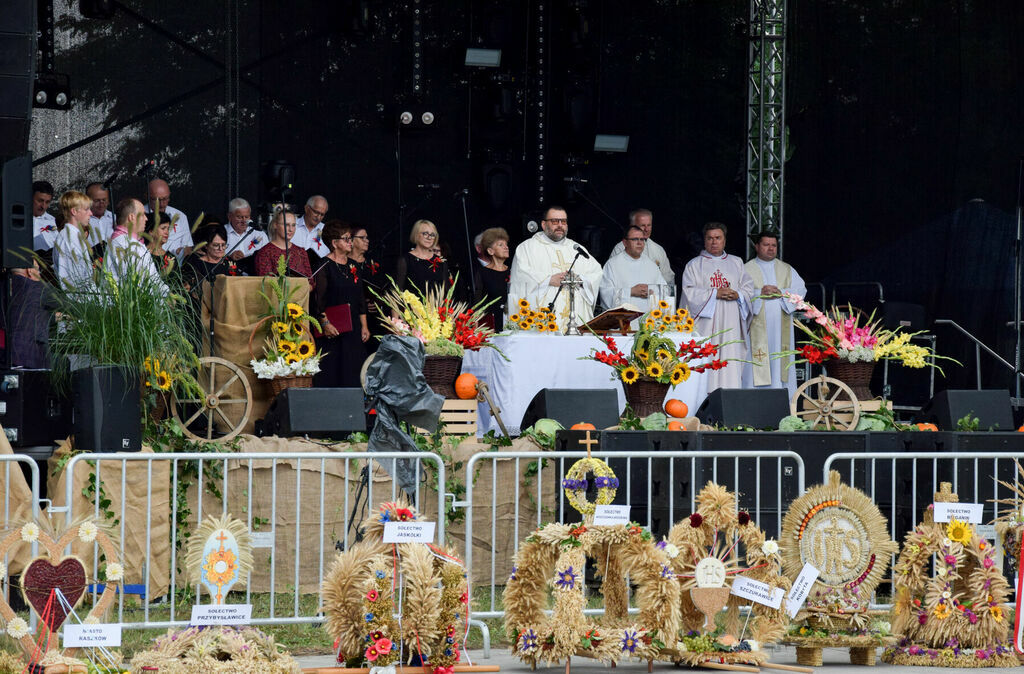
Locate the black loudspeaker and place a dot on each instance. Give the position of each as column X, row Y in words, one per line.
column 107, row 409
column 17, row 61
column 731, row 407
column 569, row 406
column 990, row 406
column 315, row 411
column 16, row 216
column 32, row 412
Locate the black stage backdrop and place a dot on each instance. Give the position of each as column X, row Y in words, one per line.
column 899, row 114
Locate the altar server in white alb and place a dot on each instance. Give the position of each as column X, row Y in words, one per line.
column 718, row 292
column 540, row 264
column 771, row 328
column 628, row 275
column 644, row 219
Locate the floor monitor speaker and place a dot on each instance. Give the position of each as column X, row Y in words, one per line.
column 316, row 412
column 990, row 406
column 731, row 407
column 568, row 406
column 107, row 414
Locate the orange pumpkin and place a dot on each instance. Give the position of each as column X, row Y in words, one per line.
column 927, row 427
column 583, row 426
column 676, row 408
column 1021, row 429
column 676, row 426
column 465, row 386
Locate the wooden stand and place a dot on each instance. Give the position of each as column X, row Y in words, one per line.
column 614, row 320
column 459, row 418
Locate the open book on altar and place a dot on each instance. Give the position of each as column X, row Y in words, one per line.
column 615, row 319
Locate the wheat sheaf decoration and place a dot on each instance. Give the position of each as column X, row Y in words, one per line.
column 219, row 555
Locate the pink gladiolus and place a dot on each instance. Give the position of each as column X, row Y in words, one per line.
column 821, row 320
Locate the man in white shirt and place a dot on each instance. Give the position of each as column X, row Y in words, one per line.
column 72, row 252
column 179, row 242
column 771, row 329
column 128, row 259
column 239, row 219
column 101, row 220
column 627, row 277
column 310, row 225
column 44, row 225
column 644, row 219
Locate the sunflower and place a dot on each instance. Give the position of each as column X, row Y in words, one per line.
column 514, row 318
column 629, row 375
column 662, row 304
column 291, row 358
column 958, row 531
column 649, row 324
column 677, row 376
column 685, row 368
column 682, row 313
column 295, row 311
column 284, row 346
column 656, row 314
column 552, row 326
column 941, row 611
column 663, row 355
column 642, row 355
column 163, row 380
column 545, row 310
column 655, row 370
column 148, row 364
column 523, row 304
column 305, row 349
column 542, row 327
column 688, row 326
column 280, row 327
column 996, row 612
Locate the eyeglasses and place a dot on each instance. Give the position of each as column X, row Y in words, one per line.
column 345, row 238
column 429, row 235
column 557, row 221
column 362, row 237
column 315, row 212
column 634, row 239
column 217, row 246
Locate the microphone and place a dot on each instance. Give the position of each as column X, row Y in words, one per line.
column 461, row 194
column 146, row 167
column 109, row 181
column 579, row 249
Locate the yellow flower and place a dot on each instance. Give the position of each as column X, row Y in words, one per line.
column 656, row 314
column 552, row 326
column 688, row 327
column 523, row 304
column 305, row 349
column 514, row 318
column 663, row 355
column 642, row 355
column 280, row 327
column 294, row 311
column 958, row 531
column 163, row 381
column 685, row 367
column 654, row 370
column 629, row 375
column 649, row 324
column 941, row 611
column 662, row 304
column 996, row 612
column 545, row 310
column 148, row 364
column 291, row 358
column 542, row 327
column 284, row 346
column 677, row 376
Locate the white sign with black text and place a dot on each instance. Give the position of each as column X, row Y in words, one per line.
column 611, row 514
column 965, row 512
column 755, row 590
column 409, row 532
column 801, row 588
column 221, row 614
column 92, row 636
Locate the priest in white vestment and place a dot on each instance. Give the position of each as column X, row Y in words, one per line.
column 644, row 219
column 540, row 264
column 718, row 293
column 628, row 276
column 771, row 328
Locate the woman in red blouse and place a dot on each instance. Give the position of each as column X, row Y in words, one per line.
column 282, row 229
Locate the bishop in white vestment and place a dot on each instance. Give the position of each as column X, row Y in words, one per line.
column 540, row 264
column 718, row 293
column 771, row 328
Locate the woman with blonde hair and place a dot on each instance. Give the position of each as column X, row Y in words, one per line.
column 422, row 267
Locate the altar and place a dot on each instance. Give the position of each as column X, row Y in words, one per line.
column 537, row 361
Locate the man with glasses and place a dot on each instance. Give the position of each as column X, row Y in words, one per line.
column 179, row 241
column 309, row 227
column 239, row 218
column 101, row 220
column 627, row 277
column 540, row 265
column 644, row 219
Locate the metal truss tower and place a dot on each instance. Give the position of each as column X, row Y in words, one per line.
column 766, row 122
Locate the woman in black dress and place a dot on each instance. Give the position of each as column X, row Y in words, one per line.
column 208, row 259
column 337, row 283
column 492, row 280
column 373, row 278
column 158, row 229
column 422, row 267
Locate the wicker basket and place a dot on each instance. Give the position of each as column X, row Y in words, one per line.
column 808, row 657
column 855, row 375
column 645, row 396
column 278, row 384
column 441, row 372
column 862, row 656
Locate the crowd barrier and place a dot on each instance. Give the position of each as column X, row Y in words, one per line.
column 20, row 504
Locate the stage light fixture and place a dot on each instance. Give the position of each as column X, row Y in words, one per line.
column 405, row 118
column 52, row 91
column 61, row 99
column 428, row 118
column 483, row 58
column 610, row 143
column 41, row 97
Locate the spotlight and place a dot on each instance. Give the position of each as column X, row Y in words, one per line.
column 61, row 99
column 52, row 91
column 428, row 118
column 607, row 143
column 483, row 58
column 41, row 97
column 405, row 118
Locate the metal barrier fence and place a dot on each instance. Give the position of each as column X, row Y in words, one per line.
column 187, row 487
column 525, row 492
column 18, row 507
column 903, row 485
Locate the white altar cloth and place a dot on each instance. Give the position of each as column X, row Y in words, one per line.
column 538, row 361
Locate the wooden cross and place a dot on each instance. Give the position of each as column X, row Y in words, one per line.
column 588, row 441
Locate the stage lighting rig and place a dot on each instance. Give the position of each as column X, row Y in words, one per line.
column 52, row 91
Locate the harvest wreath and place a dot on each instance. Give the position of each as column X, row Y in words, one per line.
column 555, row 556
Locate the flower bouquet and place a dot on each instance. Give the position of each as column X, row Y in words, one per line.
column 525, row 318
column 289, row 356
column 655, row 362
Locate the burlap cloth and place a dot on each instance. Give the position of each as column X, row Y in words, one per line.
column 16, row 505
column 237, row 306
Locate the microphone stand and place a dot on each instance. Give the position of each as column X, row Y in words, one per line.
column 461, row 196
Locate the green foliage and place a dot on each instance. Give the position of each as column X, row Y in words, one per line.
column 968, row 423
column 654, row 422
column 543, row 432
column 629, row 421
column 793, row 423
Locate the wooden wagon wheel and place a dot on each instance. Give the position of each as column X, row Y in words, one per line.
column 215, row 377
column 835, row 406
column 364, row 368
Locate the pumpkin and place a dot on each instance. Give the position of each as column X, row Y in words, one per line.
column 583, row 426
column 465, row 386
column 676, row 426
column 1021, row 429
column 927, row 427
column 676, row 408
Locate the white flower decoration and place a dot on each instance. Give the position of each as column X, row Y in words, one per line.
column 17, row 628
column 87, row 532
column 115, row 572
column 770, row 547
column 941, row 571
column 91, row 620
column 946, row 542
column 30, row 534
column 671, row 550
column 946, row 594
column 754, row 644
